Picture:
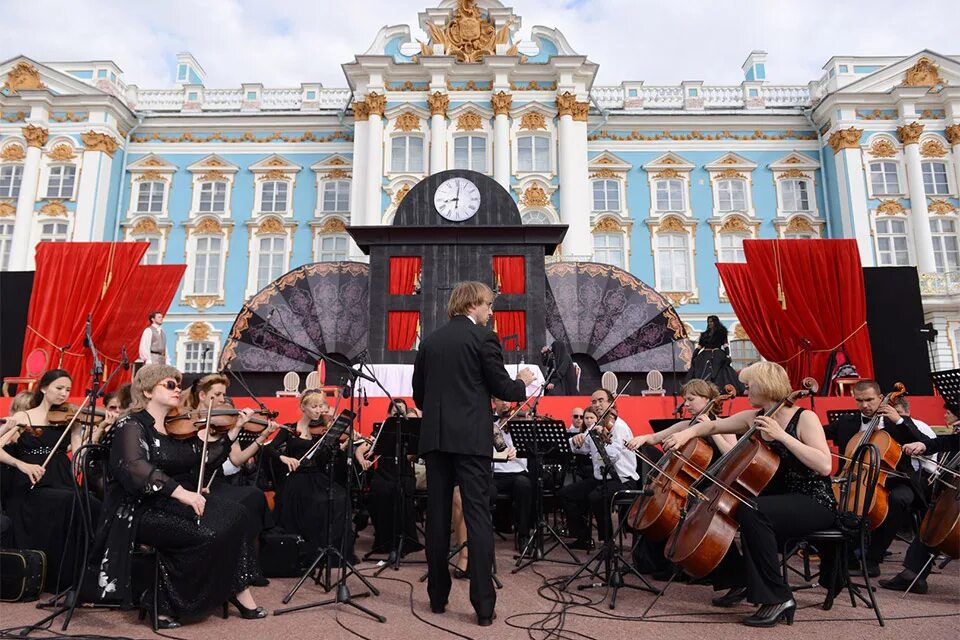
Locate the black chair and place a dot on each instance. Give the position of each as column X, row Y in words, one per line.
column 852, row 532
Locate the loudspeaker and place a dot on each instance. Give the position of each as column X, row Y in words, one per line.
column 895, row 320
column 15, row 288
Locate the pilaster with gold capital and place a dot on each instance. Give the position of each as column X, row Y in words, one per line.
column 372, row 202
column 35, row 136
column 502, row 103
column 376, row 104
column 439, row 102
column 568, row 105
column 21, row 245
column 910, row 133
column 845, row 139
column 953, row 137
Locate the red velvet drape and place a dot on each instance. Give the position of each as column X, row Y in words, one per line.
column 822, row 283
column 404, row 274
column 402, row 327
column 72, row 280
column 509, row 273
column 509, row 323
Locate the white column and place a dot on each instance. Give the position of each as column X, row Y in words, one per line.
column 574, row 187
column 438, row 143
column 376, row 104
column 94, row 187
column 360, row 162
column 852, row 189
column 953, row 136
column 21, row 250
column 919, row 216
column 502, row 102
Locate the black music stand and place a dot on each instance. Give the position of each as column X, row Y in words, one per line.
column 538, row 441
column 947, row 384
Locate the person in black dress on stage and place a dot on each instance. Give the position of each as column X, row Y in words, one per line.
column 41, row 515
column 205, row 559
column 711, row 359
column 458, row 368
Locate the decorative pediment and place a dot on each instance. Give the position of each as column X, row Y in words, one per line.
column 23, row 74
column 407, row 121
column 13, row 153
column 607, row 161
column 274, row 165
column 535, row 196
column 672, row 224
column 270, row 226
column 468, row 34
column 7, row 209
column 799, row 224
column 151, row 163
column 333, row 225
column 198, row 331
column 731, row 161
column 890, row 208
column 213, row 164
column 923, row 69
column 607, row 224
column 145, row 226
column 941, row 206
column 932, row 148
column 62, row 152
column 208, row 226
column 336, row 164
column 469, row 121
column 882, row 147
column 54, row 208
column 735, row 224
column 794, row 161
column 669, row 162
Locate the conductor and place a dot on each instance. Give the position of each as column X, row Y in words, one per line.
column 458, row 368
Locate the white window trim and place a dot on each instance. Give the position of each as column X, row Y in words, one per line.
column 812, row 212
column 37, row 229
column 516, row 119
column 4, row 222
column 191, row 250
column 134, row 193
column 18, row 163
column 197, row 185
column 656, row 173
column 323, row 234
column 44, row 184
column 551, row 217
column 163, row 231
column 334, row 168
column 908, row 230
column 253, row 250
column 321, row 187
column 691, row 231
column 549, row 189
column 747, row 196
column 552, row 151
column 621, row 195
column 625, row 228
column 486, row 134
column 388, row 169
column 215, row 336
column 953, row 218
column 948, row 169
column 258, row 196
column 902, row 187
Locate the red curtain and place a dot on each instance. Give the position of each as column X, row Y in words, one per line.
column 509, row 274
column 511, row 323
column 404, row 274
column 822, row 285
column 402, row 329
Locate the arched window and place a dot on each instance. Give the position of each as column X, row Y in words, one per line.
column 732, row 195
column 883, row 178
column 470, row 152
column 606, row 195
column 536, row 217
column 406, row 154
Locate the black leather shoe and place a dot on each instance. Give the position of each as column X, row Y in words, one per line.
column 245, row 613
column 769, row 615
column 486, row 622
column 731, row 598
column 900, row 582
column 438, row 609
column 462, row 574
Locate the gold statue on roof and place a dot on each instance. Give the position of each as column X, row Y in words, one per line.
column 468, row 36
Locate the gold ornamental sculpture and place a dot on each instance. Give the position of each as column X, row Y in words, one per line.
column 468, row 36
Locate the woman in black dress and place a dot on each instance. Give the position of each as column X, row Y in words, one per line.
column 41, row 516
column 205, row 559
column 711, row 359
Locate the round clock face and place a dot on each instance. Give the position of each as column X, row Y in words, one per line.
column 457, row 199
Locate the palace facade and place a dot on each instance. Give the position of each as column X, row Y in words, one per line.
column 245, row 183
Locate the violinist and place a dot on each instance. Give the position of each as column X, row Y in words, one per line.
column 205, row 559
column 796, row 501
column 511, row 477
column 41, row 496
column 111, row 407
column 906, row 496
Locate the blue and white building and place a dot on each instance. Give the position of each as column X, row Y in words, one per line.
column 245, row 183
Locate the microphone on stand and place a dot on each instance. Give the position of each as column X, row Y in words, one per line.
column 124, row 360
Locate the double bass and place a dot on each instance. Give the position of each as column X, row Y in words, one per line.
column 706, row 532
column 940, row 528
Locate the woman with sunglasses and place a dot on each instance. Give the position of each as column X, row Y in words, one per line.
column 204, row 558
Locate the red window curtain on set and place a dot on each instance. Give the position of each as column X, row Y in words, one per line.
column 822, row 285
column 509, row 274
column 402, row 330
column 511, row 323
column 404, row 274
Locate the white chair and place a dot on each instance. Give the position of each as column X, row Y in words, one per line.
column 576, row 368
column 313, row 380
column 609, row 382
column 654, row 384
column 291, row 385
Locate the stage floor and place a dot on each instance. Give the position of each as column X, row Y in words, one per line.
column 683, row 612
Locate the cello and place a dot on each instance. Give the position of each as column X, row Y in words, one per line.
column 658, row 514
column 708, row 527
column 940, row 528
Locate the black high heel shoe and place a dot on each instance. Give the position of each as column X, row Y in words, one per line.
column 245, row 613
column 731, row 598
column 461, row 574
column 769, row 615
column 146, row 611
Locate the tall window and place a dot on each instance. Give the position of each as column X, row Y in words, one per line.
column 606, row 195
column 535, row 217
column 152, row 256
column 883, row 178
column 53, row 232
column 213, row 197
column 533, row 153
column 336, row 196
column 206, row 274
column 6, row 237
column 795, row 195
column 732, row 195
column 150, row 197
column 946, row 244
column 198, row 357
column 331, row 247
column 62, row 179
column 670, row 195
column 892, row 243
column 10, row 177
column 935, row 179
column 272, row 251
column 731, row 247
column 273, row 196
column 673, row 262
column 470, row 152
column 743, row 354
column 608, row 249
column 406, row 154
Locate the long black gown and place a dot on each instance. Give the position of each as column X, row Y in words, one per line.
column 201, row 565
column 41, row 516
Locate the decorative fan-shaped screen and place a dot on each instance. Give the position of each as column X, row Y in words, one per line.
column 320, row 307
column 615, row 318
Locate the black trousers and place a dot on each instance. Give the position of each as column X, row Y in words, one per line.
column 901, row 500
column 918, row 557
column 472, row 474
column 762, row 533
column 383, row 503
column 586, row 496
column 519, row 487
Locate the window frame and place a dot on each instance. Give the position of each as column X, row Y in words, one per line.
column 281, row 268
column 335, row 236
column 218, row 289
column 6, row 242
column 336, row 183
column 547, row 153
column 407, row 138
column 933, row 175
column 471, row 138
column 656, row 195
column 941, row 254
column 58, row 173
column 57, row 223
column 807, row 192
column 879, row 235
column 606, row 182
column 608, row 249
column 685, row 249
column 719, row 191
column 136, row 210
column 225, row 184
column 262, row 196
column 16, row 180
column 885, row 174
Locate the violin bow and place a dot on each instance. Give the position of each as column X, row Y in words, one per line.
column 203, row 453
column 66, row 430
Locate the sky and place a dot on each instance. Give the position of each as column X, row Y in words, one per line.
column 281, row 43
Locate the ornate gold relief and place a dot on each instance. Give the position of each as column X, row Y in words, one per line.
column 882, row 148
column 376, row 103
column 336, row 174
column 337, row 161
column 270, row 226
column 533, row 120
column 469, row 121
column 679, row 298
column 845, row 139
column 94, row 141
column 940, row 206
column 792, row 160
column 467, row 36
column 212, row 176
column 13, row 153
column 567, row 105
column 727, row 174
column 734, row 225
column 604, row 173
column 739, row 333
column 792, row 173
column 202, row 302
column 151, row 176
column 145, row 226
column 62, row 153
column 730, row 160
column 360, row 111
column 799, row 225
column 153, row 161
column 333, row 225
column 534, row 196
column 7, row 209
column 407, row 121
column 54, row 208
column 923, row 74
column 23, row 75
column 502, row 103
column 910, row 133
column 198, row 331
column 438, row 102
column 890, row 207
column 666, row 174
column 208, row 226
column 933, row 149
column 953, row 134
column 277, row 162
column 671, row 224
column 35, row 136
column 275, row 174
column 607, row 225
column 214, row 162
column 401, row 193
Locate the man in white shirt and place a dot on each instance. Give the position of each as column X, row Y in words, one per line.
column 511, row 477
column 902, row 405
column 153, row 341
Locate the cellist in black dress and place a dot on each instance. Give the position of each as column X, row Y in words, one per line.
column 205, row 559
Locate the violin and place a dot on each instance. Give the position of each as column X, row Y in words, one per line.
column 63, row 414
column 187, row 424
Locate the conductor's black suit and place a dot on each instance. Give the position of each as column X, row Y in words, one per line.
column 458, row 368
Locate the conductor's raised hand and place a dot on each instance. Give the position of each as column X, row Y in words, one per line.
column 526, row 376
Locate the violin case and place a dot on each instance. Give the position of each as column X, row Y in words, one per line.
column 22, row 574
